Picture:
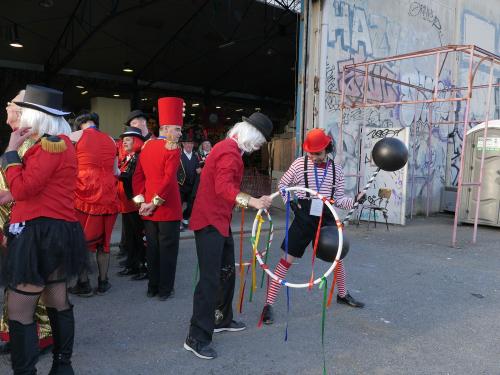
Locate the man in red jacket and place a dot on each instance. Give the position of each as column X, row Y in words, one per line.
column 157, row 192
column 218, row 193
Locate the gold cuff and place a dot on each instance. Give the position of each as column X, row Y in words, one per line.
column 157, row 201
column 242, row 199
column 138, row 199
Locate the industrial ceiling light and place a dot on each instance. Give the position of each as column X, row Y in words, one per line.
column 46, row 3
column 257, row 109
column 14, row 37
column 239, row 110
column 218, row 107
column 127, row 68
column 192, row 114
column 195, row 105
column 80, row 87
column 116, row 95
column 84, row 92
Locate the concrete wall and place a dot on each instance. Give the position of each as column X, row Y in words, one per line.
column 112, row 114
column 364, row 30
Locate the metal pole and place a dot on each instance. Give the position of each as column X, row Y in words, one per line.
column 413, row 129
column 462, row 159
column 429, row 155
column 429, row 137
column 340, row 146
column 485, row 134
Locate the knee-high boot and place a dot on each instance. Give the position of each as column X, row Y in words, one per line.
column 24, row 347
column 63, row 331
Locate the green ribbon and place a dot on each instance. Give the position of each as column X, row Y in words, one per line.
column 196, row 276
column 323, row 285
column 268, row 248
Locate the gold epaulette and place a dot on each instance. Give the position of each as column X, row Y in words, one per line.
column 53, row 144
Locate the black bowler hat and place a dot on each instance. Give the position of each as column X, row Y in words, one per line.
column 262, row 123
column 43, row 99
column 130, row 131
column 135, row 114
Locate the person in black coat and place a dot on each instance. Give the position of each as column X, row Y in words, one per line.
column 188, row 175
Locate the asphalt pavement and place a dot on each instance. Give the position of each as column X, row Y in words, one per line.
column 430, row 309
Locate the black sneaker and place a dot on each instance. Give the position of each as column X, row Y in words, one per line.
column 103, row 287
column 267, row 314
column 234, row 326
column 350, row 301
column 82, row 289
column 199, row 350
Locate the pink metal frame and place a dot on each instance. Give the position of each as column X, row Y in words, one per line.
column 476, row 56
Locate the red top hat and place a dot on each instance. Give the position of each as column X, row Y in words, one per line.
column 171, row 111
column 316, row 141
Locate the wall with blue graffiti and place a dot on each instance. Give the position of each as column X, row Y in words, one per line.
column 364, row 30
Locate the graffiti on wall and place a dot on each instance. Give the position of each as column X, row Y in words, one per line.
column 364, row 30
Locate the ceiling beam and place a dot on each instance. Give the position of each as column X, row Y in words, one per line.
column 162, row 49
column 52, row 67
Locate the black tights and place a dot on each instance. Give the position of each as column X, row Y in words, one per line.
column 21, row 304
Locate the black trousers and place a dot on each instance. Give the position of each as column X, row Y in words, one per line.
column 133, row 232
column 215, row 289
column 303, row 228
column 188, row 198
column 163, row 246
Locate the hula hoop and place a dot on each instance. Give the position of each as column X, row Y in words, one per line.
column 271, row 230
column 264, row 266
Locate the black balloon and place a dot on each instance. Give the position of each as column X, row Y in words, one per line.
column 328, row 244
column 390, row 154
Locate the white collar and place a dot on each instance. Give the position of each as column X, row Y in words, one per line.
column 189, row 155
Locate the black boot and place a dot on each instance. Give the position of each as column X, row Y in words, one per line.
column 63, row 331
column 24, row 347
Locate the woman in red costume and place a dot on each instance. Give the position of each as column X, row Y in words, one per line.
column 96, row 200
column 45, row 241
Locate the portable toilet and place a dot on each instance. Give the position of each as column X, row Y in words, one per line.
column 489, row 202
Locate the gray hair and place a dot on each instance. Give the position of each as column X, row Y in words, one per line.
column 248, row 137
column 42, row 123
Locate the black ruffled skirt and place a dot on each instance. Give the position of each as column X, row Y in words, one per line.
column 46, row 250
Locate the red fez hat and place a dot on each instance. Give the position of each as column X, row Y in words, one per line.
column 171, row 111
column 316, row 140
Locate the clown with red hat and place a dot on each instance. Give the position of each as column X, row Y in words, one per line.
column 315, row 170
column 157, row 193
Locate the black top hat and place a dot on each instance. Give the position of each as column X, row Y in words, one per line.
column 43, row 99
column 135, row 114
column 187, row 136
column 262, row 123
column 130, row 131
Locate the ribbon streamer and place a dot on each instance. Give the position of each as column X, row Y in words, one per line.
column 242, row 267
column 323, row 285
column 253, row 287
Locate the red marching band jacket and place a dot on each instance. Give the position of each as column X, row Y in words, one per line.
column 219, row 184
column 156, row 174
column 43, row 185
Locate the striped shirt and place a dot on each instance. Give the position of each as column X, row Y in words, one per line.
column 294, row 176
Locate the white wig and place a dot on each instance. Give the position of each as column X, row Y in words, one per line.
column 42, row 123
column 248, row 137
